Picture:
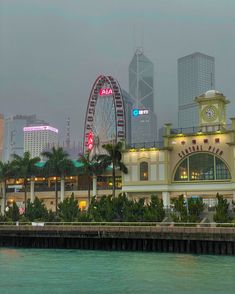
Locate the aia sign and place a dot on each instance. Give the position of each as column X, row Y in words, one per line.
column 90, row 141
column 106, row 92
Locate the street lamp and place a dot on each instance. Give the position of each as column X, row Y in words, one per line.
column 186, row 202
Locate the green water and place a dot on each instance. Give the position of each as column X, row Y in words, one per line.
column 74, row 271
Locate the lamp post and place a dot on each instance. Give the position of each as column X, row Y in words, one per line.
column 186, row 202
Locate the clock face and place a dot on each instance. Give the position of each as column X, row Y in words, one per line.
column 209, row 113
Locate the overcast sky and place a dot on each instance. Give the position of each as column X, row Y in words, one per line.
column 51, row 51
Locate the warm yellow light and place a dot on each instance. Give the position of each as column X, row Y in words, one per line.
column 36, row 179
column 71, row 178
column 82, row 204
column 54, row 178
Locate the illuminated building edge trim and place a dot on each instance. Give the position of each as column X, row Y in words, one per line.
column 40, row 128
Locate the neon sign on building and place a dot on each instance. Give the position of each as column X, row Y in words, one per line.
column 136, row 112
column 106, row 92
column 90, row 141
column 40, row 128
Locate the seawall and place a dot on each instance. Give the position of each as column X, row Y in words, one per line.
column 196, row 240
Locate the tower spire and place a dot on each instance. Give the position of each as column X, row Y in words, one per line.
column 68, row 133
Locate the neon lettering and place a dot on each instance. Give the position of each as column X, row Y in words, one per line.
column 90, row 143
column 106, row 92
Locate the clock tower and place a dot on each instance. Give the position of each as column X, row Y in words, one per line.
column 212, row 110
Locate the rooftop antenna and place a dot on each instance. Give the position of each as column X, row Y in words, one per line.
column 68, row 133
column 142, row 39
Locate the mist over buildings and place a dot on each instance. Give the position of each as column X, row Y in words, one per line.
column 52, row 51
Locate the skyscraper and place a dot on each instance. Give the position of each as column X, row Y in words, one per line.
column 1, row 135
column 37, row 138
column 196, row 75
column 14, row 135
column 128, row 105
column 141, row 89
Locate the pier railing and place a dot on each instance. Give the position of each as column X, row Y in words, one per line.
column 118, row 224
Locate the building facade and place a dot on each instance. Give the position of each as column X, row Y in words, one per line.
column 14, row 135
column 128, row 106
column 1, row 135
column 39, row 138
column 196, row 75
column 141, row 89
column 200, row 162
column 13, row 142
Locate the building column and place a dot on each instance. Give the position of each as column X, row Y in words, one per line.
column 32, row 190
column 166, row 199
column 94, row 185
column 234, row 196
column 3, row 203
column 62, row 189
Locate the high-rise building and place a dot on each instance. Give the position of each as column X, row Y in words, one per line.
column 196, row 75
column 39, row 138
column 1, row 135
column 141, row 89
column 14, row 135
column 13, row 142
column 128, row 105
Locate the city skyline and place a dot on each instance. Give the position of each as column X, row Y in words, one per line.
column 51, row 52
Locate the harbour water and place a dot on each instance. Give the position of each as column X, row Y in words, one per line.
column 38, row 271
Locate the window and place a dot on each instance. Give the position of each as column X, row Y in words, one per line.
column 144, row 171
column 202, row 167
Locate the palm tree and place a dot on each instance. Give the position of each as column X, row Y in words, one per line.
column 5, row 173
column 91, row 168
column 114, row 158
column 25, row 168
column 57, row 165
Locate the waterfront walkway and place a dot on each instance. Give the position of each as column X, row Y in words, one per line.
column 189, row 238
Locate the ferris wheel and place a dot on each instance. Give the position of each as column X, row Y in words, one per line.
column 105, row 115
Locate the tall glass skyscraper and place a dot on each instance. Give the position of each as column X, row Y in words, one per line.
column 196, row 75
column 141, row 89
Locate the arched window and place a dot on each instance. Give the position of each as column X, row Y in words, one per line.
column 202, row 167
column 144, row 173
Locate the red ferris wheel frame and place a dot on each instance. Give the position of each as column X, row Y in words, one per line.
column 114, row 90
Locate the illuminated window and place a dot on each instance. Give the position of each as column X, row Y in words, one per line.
column 202, row 167
column 182, row 172
column 144, row 171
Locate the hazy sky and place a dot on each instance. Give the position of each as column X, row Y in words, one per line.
column 51, row 51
